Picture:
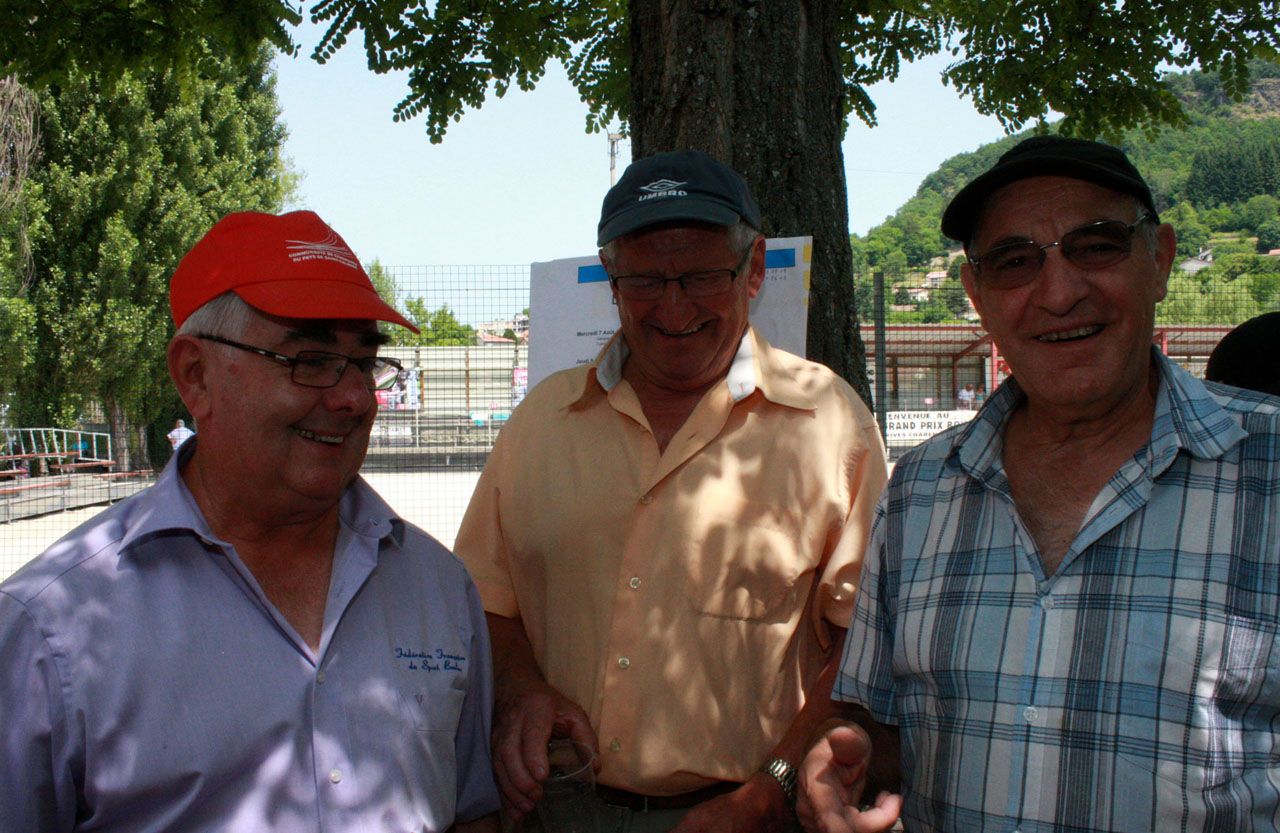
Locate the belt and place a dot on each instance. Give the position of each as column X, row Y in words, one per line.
column 615, row 797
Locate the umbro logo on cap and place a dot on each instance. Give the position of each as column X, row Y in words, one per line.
column 664, row 187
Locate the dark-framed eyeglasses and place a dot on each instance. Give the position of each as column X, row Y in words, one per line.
column 694, row 284
column 1091, row 247
column 319, row 369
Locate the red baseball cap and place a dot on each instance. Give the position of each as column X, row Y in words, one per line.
column 292, row 265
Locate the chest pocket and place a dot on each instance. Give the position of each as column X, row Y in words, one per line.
column 1226, row 666
column 434, row 709
column 744, row 569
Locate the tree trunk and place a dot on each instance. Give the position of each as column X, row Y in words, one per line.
column 118, row 427
column 758, row 85
column 142, row 459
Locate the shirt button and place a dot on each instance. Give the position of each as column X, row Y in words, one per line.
column 1046, row 602
column 615, row 745
column 634, row 584
column 624, row 663
column 335, row 775
column 647, row 499
column 320, row 678
column 1030, row 713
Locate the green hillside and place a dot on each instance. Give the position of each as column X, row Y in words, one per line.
column 1217, row 180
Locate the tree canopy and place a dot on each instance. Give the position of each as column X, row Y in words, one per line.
column 129, row 177
column 766, row 87
column 1099, row 64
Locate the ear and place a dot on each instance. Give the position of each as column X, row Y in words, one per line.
column 1166, row 251
column 608, row 270
column 970, row 282
column 755, row 270
column 188, row 365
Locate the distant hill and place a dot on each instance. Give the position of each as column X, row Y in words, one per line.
column 1206, row 172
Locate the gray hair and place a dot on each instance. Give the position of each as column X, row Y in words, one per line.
column 741, row 235
column 227, row 316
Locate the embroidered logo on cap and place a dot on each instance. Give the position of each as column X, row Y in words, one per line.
column 662, row 188
column 329, row 248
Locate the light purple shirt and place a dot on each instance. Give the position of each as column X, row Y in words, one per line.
column 146, row 683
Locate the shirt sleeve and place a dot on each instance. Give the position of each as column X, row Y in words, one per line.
column 866, row 473
column 866, row 668
column 477, row 791
column 37, row 791
column 480, row 542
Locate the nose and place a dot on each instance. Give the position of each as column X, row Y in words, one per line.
column 675, row 306
column 351, row 394
column 1061, row 284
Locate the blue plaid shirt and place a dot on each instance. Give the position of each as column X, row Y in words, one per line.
column 1138, row 687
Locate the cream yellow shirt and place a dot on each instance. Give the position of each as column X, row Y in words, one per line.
column 679, row 597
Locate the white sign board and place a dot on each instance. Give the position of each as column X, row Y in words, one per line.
column 914, row 427
column 572, row 313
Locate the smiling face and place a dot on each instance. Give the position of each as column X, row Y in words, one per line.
column 678, row 343
column 1075, row 339
column 283, row 445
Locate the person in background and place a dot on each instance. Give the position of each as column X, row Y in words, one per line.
column 1069, row 615
column 257, row 642
column 1249, row 356
column 666, row 540
column 179, row 434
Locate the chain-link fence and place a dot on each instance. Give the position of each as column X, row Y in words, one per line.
column 931, row 364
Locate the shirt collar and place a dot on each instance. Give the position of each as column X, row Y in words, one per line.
column 171, row 507
column 1187, row 417
column 756, row 365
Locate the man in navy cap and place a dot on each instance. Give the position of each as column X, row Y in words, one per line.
column 667, row 540
column 1069, row 616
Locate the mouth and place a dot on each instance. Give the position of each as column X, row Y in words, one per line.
column 326, row 439
column 680, row 333
column 1073, row 334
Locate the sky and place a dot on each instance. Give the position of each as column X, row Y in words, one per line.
column 519, row 180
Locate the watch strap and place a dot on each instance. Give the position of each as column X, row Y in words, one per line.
column 786, row 776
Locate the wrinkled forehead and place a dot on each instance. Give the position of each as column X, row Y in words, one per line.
column 1042, row 205
column 671, row 240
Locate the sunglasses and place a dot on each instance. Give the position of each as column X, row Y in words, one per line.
column 1092, row 247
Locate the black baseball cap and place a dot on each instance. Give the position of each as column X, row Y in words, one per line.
column 1046, row 156
column 680, row 185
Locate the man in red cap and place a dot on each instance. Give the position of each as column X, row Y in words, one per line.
column 257, row 642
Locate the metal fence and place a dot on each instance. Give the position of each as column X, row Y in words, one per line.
column 434, row 433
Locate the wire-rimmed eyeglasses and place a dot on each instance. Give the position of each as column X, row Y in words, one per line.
column 1091, row 247
column 319, row 369
column 694, row 284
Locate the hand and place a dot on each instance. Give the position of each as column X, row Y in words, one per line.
column 522, row 727
column 758, row 806
column 831, row 781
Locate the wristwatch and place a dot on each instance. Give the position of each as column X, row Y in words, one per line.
column 786, row 776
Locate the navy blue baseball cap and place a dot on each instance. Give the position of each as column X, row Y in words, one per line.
column 1046, row 156
column 681, row 185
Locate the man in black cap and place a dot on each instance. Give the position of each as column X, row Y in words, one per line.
column 1068, row 615
column 667, row 540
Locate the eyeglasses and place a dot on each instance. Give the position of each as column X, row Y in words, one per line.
column 1091, row 247
column 694, row 284
column 318, row 369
